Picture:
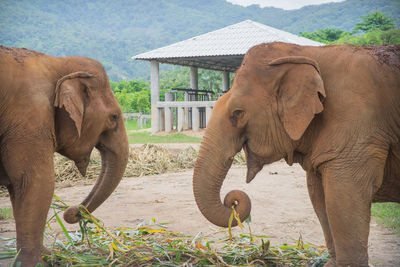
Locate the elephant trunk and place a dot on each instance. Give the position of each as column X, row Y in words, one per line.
column 114, row 157
column 210, row 171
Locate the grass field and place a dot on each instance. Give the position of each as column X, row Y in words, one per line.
column 6, row 213
column 147, row 137
column 132, row 125
column 387, row 214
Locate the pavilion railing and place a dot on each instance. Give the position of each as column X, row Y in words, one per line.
column 192, row 113
column 141, row 118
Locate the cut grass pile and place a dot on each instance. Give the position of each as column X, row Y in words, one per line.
column 152, row 244
column 148, row 159
column 146, row 137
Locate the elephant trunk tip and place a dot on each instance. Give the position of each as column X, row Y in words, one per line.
column 241, row 202
column 72, row 215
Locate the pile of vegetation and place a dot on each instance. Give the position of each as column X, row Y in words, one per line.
column 152, row 244
column 148, row 159
column 145, row 160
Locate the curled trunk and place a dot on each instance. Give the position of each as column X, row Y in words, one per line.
column 209, row 173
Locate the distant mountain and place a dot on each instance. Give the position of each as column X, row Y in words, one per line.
column 112, row 31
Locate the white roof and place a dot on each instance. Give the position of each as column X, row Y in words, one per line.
column 225, row 46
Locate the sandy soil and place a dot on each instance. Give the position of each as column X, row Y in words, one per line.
column 281, row 208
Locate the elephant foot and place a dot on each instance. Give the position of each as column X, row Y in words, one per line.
column 29, row 261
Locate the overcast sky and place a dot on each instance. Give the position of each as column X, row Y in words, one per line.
column 285, row 4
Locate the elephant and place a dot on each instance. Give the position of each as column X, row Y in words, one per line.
column 47, row 105
column 333, row 109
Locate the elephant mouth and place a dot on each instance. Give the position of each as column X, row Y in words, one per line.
column 81, row 162
column 82, row 165
column 254, row 163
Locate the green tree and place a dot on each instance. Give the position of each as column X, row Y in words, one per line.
column 175, row 78
column 375, row 21
column 129, row 86
column 133, row 96
column 141, row 102
column 372, row 38
column 178, row 77
column 113, row 34
column 125, row 99
column 391, row 36
column 210, row 80
column 326, row 36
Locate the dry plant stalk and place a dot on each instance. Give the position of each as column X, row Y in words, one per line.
column 148, row 159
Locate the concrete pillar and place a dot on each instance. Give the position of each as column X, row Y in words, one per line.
column 155, row 96
column 194, row 84
column 195, row 119
column 225, row 81
column 140, row 122
column 186, row 114
column 208, row 114
column 168, row 113
column 181, row 119
column 168, row 120
column 161, row 119
column 194, row 78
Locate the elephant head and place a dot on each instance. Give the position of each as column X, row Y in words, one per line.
column 267, row 112
column 87, row 116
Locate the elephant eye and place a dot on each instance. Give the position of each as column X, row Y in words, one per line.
column 114, row 117
column 237, row 113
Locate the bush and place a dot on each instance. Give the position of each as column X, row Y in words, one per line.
column 372, row 38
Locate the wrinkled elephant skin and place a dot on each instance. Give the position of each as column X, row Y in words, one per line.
column 333, row 109
column 48, row 105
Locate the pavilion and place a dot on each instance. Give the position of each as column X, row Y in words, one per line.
column 221, row 50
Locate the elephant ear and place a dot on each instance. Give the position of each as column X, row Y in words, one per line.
column 70, row 94
column 300, row 93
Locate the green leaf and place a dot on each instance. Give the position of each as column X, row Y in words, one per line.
column 64, row 229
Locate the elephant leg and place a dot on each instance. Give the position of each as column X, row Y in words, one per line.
column 316, row 192
column 348, row 196
column 31, row 190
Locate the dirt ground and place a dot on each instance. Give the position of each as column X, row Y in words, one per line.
column 281, row 208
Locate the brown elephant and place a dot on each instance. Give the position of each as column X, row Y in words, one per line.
column 333, row 109
column 47, row 105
